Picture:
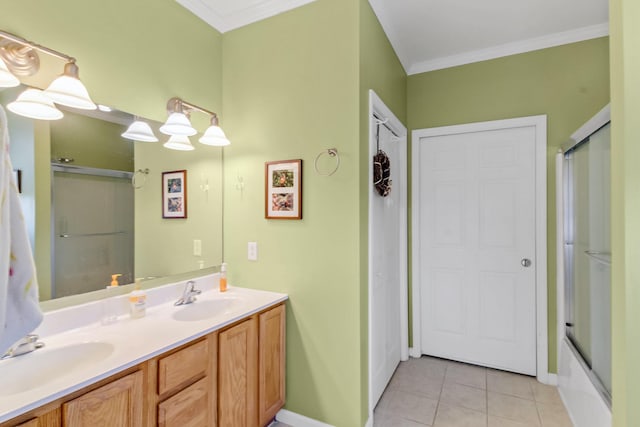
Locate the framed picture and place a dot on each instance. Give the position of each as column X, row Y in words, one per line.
column 283, row 189
column 174, row 194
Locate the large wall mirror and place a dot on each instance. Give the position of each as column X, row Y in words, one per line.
column 93, row 201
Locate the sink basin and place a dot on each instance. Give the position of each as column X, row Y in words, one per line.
column 201, row 310
column 36, row 369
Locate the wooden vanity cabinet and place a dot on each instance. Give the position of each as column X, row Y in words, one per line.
column 251, row 370
column 52, row 418
column 185, row 392
column 234, row 377
column 115, row 401
column 238, row 375
column 119, row 403
column 271, row 364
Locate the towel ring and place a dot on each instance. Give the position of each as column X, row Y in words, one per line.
column 144, row 174
column 332, row 152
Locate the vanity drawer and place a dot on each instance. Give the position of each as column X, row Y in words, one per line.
column 188, row 408
column 183, row 366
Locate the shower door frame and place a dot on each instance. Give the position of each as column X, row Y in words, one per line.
column 601, row 119
column 81, row 170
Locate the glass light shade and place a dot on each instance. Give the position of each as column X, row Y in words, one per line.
column 140, row 131
column 33, row 103
column 215, row 136
column 178, row 124
column 70, row 91
column 7, row 79
column 179, row 142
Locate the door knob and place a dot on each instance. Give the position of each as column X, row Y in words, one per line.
column 526, row 262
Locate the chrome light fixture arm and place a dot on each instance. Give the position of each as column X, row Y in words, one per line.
column 177, row 105
column 21, row 57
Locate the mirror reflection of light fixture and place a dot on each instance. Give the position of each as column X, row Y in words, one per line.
column 179, row 142
column 6, row 78
column 21, row 59
column 33, row 103
column 178, row 123
column 140, row 131
column 214, row 135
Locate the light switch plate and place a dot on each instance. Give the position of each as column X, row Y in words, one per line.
column 252, row 251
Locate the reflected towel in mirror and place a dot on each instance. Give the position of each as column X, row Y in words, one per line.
column 19, row 309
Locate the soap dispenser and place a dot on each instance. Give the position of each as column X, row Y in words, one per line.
column 110, row 303
column 137, row 302
column 223, row 277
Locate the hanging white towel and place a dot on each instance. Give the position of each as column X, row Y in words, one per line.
column 19, row 309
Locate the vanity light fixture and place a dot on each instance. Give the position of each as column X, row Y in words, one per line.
column 68, row 89
column 6, row 78
column 21, row 59
column 178, row 123
column 214, row 135
column 33, row 103
column 179, row 142
column 140, row 131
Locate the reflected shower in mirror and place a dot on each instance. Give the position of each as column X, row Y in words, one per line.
column 93, row 201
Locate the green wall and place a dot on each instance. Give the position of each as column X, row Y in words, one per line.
column 380, row 70
column 91, row 142
column 291, row 91
column 625, row 210
column 568, row 83
column 295, row 85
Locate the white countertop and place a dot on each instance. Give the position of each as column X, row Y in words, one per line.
column 132, row 341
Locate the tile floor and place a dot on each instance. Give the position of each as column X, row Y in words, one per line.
column 440, row 393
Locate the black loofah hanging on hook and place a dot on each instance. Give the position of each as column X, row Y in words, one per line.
column 381, row 169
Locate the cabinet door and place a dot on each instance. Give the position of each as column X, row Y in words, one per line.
column 49, row 419
column 189, row 408
column 238, row 375
column 271, row 364
column 119, row 403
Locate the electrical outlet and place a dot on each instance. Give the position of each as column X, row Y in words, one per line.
column 197, row 247
column 252, row 251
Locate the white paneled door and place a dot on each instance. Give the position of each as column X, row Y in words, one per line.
column 387, row 258
column 386, row 265
column 477, row 240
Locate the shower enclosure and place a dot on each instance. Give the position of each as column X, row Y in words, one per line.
column 93, row 217
column 587, row 255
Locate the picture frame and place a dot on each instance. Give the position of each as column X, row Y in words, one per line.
column 174, row 194
column 283, row 189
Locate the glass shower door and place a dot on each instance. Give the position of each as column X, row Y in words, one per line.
column 93, row 230
column 588, row 254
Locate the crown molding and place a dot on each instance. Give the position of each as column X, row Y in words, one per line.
column 522, row 46
column 243, row 15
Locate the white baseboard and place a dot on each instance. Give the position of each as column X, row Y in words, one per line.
column 415, row 352
column 548, row 378
column 297, row 420
column 369, row 422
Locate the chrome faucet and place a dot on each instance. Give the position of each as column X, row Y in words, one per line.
column 189, row 293
column 25, row 345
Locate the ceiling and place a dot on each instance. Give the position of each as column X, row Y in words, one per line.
column 227, row 15
column 433, row 34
